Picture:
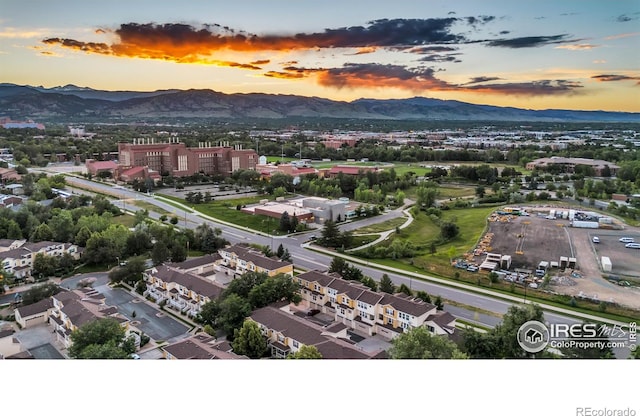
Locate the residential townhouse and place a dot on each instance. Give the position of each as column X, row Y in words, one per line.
column 183, row 291
column 73, row 309
column 239, row 259
column 69, row 310
column 204, row 266
column 286, row 333
column 19, row 261
column 368, row 312
column 200, row 347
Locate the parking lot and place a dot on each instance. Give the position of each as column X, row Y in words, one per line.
column 624, row 261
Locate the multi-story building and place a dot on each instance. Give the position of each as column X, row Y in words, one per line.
column 19, row 261
column 181, row 290
column 286, row 333
column 176, row 159
column 568, row 164
column 368, row 312
column 239, row 259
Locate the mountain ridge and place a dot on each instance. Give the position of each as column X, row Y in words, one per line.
column 77, row 103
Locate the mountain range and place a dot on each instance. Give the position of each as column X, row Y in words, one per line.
column 73, row 103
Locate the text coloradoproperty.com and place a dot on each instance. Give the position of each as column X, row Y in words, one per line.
column 587, row 344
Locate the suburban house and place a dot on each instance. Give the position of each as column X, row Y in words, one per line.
column 239, row 259
column 34, row 314
column 200, row 347
column 286, row 333
column 19, row 260
column 183, row 291
column 368, row 312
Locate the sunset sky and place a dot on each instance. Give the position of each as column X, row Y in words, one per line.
column 582, row 55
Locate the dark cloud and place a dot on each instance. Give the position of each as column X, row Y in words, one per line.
column 440, row 58
column 100, row 48
column 623, row 18
column 534, row 88
column 431, row 49
column 505, row 32
column 420, row 80
column 477, row 80
column 615, row 77
column 529, row 41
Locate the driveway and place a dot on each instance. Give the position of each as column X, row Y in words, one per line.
column 158, row 325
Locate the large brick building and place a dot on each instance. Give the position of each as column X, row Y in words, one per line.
column 176, row 159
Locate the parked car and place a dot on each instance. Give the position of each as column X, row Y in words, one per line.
column 596, row 239
column 632, row 245
column 472, row 268
column 313, row 312
column 627, row 240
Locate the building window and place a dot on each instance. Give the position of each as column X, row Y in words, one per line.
column 314, row 297
column 390, row 321
column 388, row 311
column 295, row 344
column 345, row 300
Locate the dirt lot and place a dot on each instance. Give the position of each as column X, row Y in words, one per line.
column 529, row 240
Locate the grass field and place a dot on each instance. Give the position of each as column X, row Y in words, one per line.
column 126, row 220
column 455, row 191
column 381, row 226
column 225, row 210
column 150, row 207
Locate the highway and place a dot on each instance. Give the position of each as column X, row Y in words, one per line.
column 310, row 260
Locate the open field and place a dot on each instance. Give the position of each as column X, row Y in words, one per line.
column 382, row 226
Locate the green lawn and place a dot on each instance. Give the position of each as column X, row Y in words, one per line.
column 381, row 226
column 455, row 191
column 225, row 210
column 126, row 220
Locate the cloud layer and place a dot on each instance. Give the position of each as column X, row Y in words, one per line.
column 430, row 41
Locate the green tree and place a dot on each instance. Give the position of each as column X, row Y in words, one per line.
column 285, row 222
column 39, row 292
column 160, row 253
column 44, row 265
column 99, row 339
column 386, row 285
column 370, row 283
column 306, row 352
column 423, row 295
column 330, row 236
column 438, row 302
column 338, row 265
column 502, row 341
column 82, row 236
column 249, row 341
column 277, row 288
column 405, row 289
column 233, row 311
column 42, row 233
column 449, row 231
column 242, row 285
column 419, row 343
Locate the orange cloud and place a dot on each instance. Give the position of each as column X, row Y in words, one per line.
column 421, row 80
column 577, row 47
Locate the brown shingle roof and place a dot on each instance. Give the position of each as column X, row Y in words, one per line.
column 198, row 261
column 192, row 282
column 410, row 306
column 257, row 258
column 323, row 279
column 35, row 308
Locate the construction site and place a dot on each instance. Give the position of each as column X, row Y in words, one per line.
column 527, row 246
